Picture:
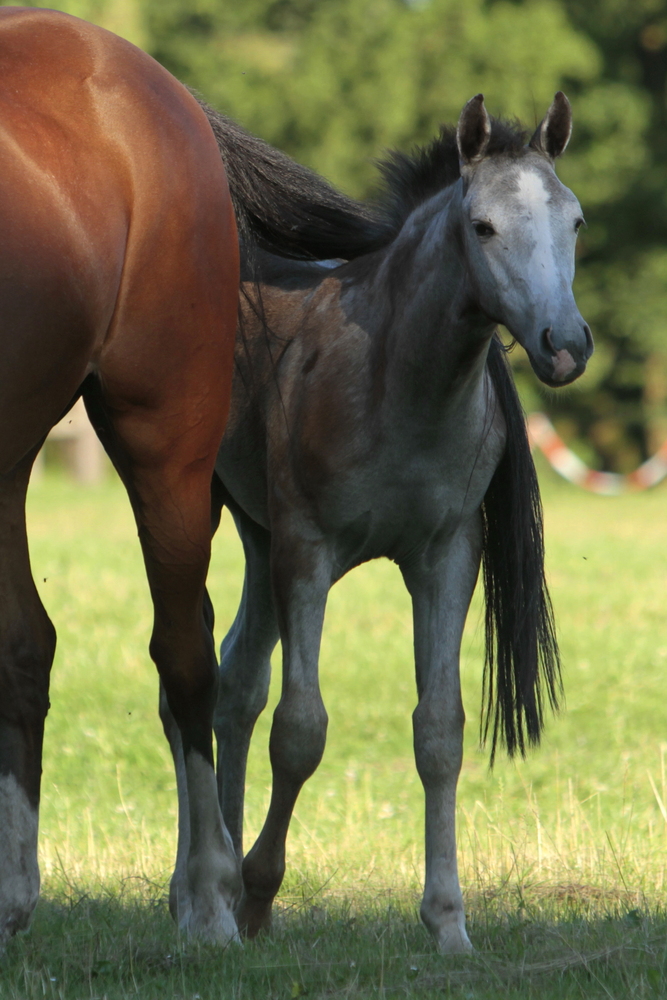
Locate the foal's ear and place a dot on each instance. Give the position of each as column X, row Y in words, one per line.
column 553, row 133
column 473, row 131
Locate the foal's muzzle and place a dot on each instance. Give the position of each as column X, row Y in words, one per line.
column 560, row 357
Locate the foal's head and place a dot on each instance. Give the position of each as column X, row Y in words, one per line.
column 520, row 227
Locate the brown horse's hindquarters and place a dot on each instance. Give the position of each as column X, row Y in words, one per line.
column 59, row 279
column 118, row 257
column 46, row 343
column 118, row 251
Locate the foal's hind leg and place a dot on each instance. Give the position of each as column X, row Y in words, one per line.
column 441, row 587
column 165, row 456
column 27, row 645
column 245, row 672
column 301, row 579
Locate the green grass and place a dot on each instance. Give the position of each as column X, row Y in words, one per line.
column 562, row 856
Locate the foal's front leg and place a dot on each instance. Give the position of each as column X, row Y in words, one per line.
column 245, row 673
column 301, row 580
column 441, row 589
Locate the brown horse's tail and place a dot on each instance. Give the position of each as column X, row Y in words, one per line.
column 286, row 208
column 522, row 668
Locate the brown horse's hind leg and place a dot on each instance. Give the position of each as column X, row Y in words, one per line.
column 179, row 893
column 244, row 682
column 168, row 479
column 27, row 645
column 178, row 888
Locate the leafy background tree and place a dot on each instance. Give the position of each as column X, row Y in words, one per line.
column 334, row 82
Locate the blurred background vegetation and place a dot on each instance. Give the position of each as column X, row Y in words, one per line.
column 334, row 82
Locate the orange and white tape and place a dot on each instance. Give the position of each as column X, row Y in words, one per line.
column 543, row 436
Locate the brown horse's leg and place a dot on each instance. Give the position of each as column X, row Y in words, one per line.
column 178, row 889
column 301, row 580
column 27, row 645
column 244, row 682
column 245, row 672
column 167, row 466
column 179, row 893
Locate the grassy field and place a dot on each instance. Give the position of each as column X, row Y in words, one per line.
column 563, row 856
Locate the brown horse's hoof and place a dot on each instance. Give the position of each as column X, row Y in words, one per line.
column 253, row 916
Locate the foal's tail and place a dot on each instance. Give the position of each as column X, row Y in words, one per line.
column 286, row 208
column 522, row 668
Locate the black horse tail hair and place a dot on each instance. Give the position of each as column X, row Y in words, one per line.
column 286, row 208
column 522, row 668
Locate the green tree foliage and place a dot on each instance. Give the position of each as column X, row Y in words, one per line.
column 125, row 17
column 334, row 82
column 621, row 409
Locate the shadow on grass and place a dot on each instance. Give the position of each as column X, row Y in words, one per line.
column 562, row 941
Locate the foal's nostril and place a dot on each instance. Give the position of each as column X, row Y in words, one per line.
column 546, row 339
column 589, row 340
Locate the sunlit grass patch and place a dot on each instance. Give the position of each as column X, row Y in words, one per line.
column 562, row 856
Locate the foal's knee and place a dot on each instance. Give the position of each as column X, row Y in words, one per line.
column 298, row 736
column 242, row 695
column 438, row 741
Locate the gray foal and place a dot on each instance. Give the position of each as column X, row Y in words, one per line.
column 373, row 415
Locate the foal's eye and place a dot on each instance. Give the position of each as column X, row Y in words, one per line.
column 483, row 229
column 578, row 224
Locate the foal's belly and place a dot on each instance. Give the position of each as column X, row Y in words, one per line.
column 418, row 507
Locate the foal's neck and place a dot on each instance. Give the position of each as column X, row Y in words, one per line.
column 419, row 308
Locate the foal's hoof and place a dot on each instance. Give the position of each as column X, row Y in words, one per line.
column 11, row 925
column 454, row 941
column 253, row 916
column 215, row 925
column 209, row 919
column 449, row 930
column 180, row 906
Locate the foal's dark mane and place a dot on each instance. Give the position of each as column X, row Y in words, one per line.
column 412, row 178
column 289, row 210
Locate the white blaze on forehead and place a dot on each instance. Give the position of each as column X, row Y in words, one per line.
column 534, row 202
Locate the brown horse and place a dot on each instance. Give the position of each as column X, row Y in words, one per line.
column 119, row 271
